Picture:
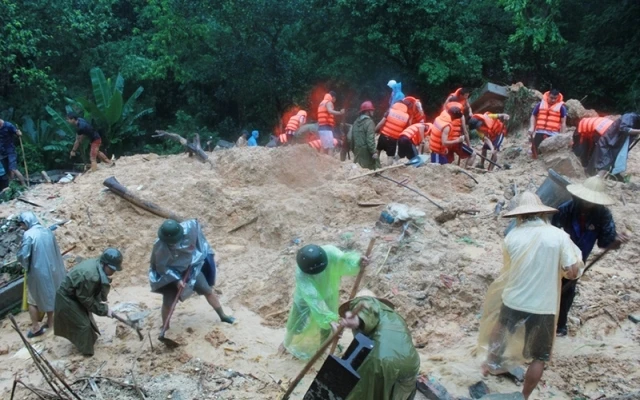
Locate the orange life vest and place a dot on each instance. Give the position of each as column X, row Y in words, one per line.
column 492, row 128
column 317, row 144
column 295, row 121
column 324, row 116
column 589, row 127
column 414, row 106
column 413, row 133
column 435, row 135
column 549, row 117
column 456, row 124
column 396, row 121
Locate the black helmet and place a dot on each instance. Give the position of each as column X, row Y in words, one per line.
column 312, row 259
column 113, row 258
column 170, row 232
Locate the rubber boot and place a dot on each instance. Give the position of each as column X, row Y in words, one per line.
column 224, row 317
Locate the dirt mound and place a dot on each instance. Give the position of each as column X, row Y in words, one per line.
column 576, row 111
column 436, row 269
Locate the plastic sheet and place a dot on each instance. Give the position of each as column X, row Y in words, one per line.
column 168, row 264
column 315, row 303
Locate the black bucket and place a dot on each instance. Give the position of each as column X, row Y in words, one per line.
column 552, row 192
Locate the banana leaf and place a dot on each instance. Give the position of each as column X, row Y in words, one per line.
column 101, row 88
column 128, row 106
column 114, row 112
column 118, row 85
column 60, row 122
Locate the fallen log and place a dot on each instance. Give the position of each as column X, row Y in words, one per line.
column 118, row 189
column 191, row 148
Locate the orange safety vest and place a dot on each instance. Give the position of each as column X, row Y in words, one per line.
column 549, row 117
column 490, row 127
column 589, row 127
column 435, row 135
column 396, row 121
column 456, row 124
column 324, row 117
column 413, row 133
column 295, row 121
column 414, row 106
column 317, row 144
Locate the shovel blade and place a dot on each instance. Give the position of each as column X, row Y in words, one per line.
column 172, row 344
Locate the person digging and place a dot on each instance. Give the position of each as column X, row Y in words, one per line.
column 182, row 263
column 588, row 221
column 314, row 313
column 83, row 293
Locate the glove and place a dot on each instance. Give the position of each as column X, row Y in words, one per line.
column 109, row 313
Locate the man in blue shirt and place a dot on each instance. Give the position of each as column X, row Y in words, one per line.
column 587, row 221
column 8, row 156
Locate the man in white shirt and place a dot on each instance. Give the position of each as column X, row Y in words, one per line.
column 527, row 294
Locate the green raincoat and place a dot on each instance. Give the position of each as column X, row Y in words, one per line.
column 389, row 372
column 83, row 292
column 364, row 142
column 315, row 303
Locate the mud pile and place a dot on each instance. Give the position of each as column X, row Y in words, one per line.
column 280, row 199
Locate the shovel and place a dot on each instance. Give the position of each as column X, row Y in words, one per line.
column 505, row 166
column 129, row 323
column 172, row 344
column 415, row 161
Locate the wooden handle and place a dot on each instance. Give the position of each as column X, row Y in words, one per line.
column 377, row 171
column 175, row 301
column 316, row 356
column 356, row 286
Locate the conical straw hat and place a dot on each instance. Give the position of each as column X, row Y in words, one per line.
column 529, row 203
column 592, row 190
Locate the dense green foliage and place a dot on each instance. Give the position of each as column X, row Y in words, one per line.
column 218, row 67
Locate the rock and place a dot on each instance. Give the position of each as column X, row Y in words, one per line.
column 4, row 349
column 478, row 390
column 504, row 396
column 565, row 164
column 516, row 374
column 432, row 389
column 633, row 318
column 560, row 142
column 576, row 111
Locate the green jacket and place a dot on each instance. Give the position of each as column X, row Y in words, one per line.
column 83, row 292
column 389, row 372
column 364, row 142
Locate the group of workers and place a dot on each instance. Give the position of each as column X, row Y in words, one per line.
column 182, row 262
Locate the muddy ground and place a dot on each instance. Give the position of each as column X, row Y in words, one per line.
column 436, row 274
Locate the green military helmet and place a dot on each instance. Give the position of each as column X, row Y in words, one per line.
column 312, row 259
column 170, row 232
column 113, row 258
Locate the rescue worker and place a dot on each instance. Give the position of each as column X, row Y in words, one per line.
column 588, row 133
column 8, row 155
column 327, row 123
column 182, row 252
column 458, row 131
column 411, row 138
column 492, row 131
column 390, row 127
column 39, row 255
column 613, row 147
column 414, row 108
column 389, row 371
column 314, row 313
column 396, row 92
column 461, row 95
column 295, row 122
column 548, row 118
column 83, row 293
column 587, row 221
column 242, row 140
column 85, row 129
column 527, row 293
column 253, row 140
column 364, row 138
column 439, row 132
